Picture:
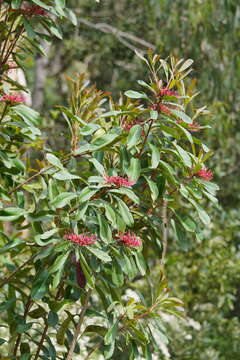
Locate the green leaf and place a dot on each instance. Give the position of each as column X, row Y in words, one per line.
column 29, row 115
column 102, row 255
column 64, row 175
column 181, row 115
column 62, row 330
column 105, row 231
column 86, row 194
column 134, row 136
column 63, row 199
column 140, row 261
column 134, row 169
column 48, row 234
column 11, row 214
column 129, row 193
column 135, row 94
column 104, row 141
column 186, row 222
column 184, row 155
column 204, row 217
column 169, row 171
column 11, row 245
column 153, row 188
column 155, row 156
column 2, row 341
column 40, row 312
column 98, row 166
column 110, row 336
column 52, row 319
column 125, row 213
column 53, row 160
column 40, row 285
column 59, row 262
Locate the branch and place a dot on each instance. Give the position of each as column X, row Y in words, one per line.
column 78, row 328
column 165, row 231
column 108, row 29
column 145, row 139
column 18, row 269
column 41, row 341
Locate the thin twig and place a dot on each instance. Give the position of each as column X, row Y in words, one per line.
column 79, row 326
column 164, row 231
column 41, row 341
column 96, row 346
column 27, row 308
column 17, row 270
column 145, row 139
column 118, row 33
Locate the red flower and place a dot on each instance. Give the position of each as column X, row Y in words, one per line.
column 82, row 239
column 161, row 108
column 194, row 127
column 130, row 239
column 205, row 174
column 118, row 181
column 12, row 99
column 128, row 125
column 166, row 92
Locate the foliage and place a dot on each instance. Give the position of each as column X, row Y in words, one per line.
column 90, row 222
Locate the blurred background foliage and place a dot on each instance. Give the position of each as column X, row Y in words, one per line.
column 205, row 274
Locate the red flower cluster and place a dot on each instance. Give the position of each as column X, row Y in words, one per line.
column 205, row 174
column 194, row 127
column 166, row 92
column 161, row 108
column 118, row 181
column 82, row 239
column 12, row 99
column 128, row 125
column 130, row 239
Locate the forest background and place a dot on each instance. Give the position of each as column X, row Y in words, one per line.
column 203, row 272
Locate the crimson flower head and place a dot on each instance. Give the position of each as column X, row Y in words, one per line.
column 205, row 174
column 130, row 239
column 12, row 99
column 161, row 108
column 166, row 92
column 194, row 127
column 82, row 239
column 34, row 10
column 118, row 181
column 128, row 125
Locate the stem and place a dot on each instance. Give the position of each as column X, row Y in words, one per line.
column 165, row 231
column 145, row 139
column 43, row 171
column 15, row 271
column 4, row 112
column 96, row 346
column 41, row 341
column 27, row 308
column 78, row 328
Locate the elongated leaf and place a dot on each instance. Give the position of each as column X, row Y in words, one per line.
column 135, row 94
column 100, row 254
column 63, row 199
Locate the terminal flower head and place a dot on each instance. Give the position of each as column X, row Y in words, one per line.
column 205, row 174
column 12, row 99
column 82, row 239
column 118, row 181
column 130, row 239
column 166, row 92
